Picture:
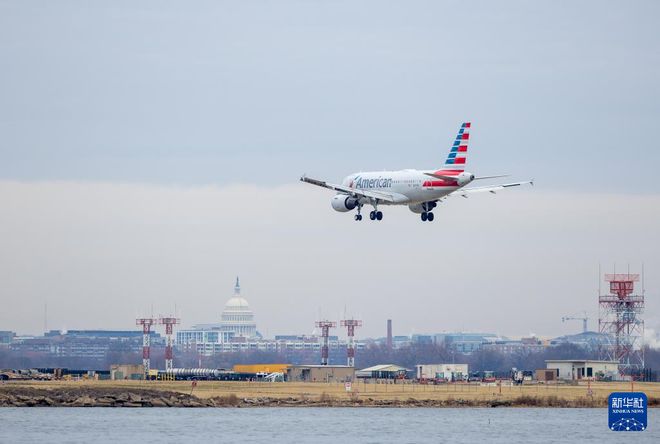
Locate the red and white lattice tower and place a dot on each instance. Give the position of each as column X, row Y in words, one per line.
column 146, row 324
column 169, row 323
column 350, row 324
column 325, row 327
column 620, row 319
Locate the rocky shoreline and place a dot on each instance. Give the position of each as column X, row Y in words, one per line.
column 118, row 397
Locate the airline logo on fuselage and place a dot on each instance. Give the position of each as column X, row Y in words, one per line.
column 363, row 183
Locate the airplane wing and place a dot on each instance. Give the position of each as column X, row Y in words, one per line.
column 464, row 192
column 352, row 191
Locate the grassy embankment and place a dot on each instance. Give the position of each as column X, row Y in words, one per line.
column 537, row 394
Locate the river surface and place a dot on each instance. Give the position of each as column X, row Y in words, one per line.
column 315, row 425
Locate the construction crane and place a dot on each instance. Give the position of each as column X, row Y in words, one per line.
column 584, row 320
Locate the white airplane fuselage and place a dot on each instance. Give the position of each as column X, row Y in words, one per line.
column 407, row 187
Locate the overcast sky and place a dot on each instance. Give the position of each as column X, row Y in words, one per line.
column 149, row 153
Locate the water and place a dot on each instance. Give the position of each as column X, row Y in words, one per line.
column 317, row 425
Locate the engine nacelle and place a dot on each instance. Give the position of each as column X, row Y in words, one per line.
column 464, row 178
column 422, row 207
column 343, row 203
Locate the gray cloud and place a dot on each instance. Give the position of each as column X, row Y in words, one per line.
column 101, row 253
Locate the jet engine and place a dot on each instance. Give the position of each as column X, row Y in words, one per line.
column 422, row 207
column 344, row 203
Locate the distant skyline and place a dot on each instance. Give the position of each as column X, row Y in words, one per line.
column 150, row 152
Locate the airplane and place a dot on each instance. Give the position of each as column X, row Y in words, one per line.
column 420, row 190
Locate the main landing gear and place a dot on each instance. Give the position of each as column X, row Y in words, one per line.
column 376, row 215
column 373, row 215
column 428, row 207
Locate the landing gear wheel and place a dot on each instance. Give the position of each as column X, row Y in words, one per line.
column 424, row 217
column 358, row 217
column 430, row 217
column 379, row 215
column 372, row 215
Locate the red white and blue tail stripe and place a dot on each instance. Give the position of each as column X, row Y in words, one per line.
column 457, row 158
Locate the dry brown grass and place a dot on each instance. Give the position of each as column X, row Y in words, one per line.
column 537, row 394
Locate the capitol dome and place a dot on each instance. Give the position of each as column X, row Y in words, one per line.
column 237, row 319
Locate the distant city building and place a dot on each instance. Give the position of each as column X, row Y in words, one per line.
column 237, row 332
column 236, row 325
column 237, row 319
column 6, row 338
column 590, row 340
column 465, row 342
column 401, row 341
column 509, row 346
column 422, row 339
column 100, row 334
column 94, row 344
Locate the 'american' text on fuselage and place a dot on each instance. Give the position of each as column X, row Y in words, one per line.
column 380, row 182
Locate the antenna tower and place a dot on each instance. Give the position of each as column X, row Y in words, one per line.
column 350, row 324
column 169, row 323
column 325, row 327
column 620, row 319
column 146, row 324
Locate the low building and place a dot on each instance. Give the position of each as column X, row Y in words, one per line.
column 126, row 371
column 546, row 375
column 570, row 369
column 261, row 368
column 320, row 373
column 382, row 371
column 449, row 372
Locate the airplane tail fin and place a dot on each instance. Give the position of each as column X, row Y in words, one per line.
column 457, row 158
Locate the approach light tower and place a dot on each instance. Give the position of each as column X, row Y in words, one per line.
column 325, row 327
column 169, row 323
column 146, row 324
column 350, row 324
column 620, row 320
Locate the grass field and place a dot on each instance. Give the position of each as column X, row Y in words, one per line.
column 315, row 391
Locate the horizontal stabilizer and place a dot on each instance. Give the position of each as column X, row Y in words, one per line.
column 491, row 177
column 464, row 192
column 441, row 176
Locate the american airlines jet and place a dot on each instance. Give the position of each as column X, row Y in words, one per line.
column 420, row 190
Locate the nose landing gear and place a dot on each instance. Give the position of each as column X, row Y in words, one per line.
column 427, row 216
